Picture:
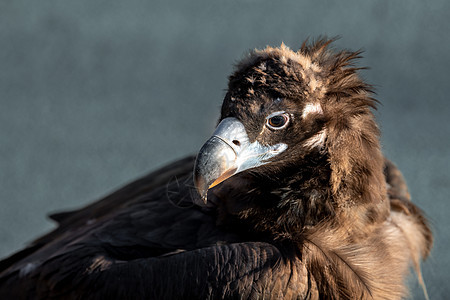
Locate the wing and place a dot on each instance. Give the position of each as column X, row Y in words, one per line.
column 149, row 240
column 102, row 209
column 400, row 201
column 216, row 272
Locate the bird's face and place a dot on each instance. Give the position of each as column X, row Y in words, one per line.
column 262, row 124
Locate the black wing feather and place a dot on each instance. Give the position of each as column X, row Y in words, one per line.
column 147, row 240
column 198, row 274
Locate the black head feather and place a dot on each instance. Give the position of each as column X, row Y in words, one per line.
column 332, row 169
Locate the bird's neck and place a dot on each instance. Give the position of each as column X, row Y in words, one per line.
column 299, row 196
column 295, row 200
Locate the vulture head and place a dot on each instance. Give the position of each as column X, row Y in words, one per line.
column 297, row 134
column 296, row 158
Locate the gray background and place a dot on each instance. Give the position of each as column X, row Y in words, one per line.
column 96, row 93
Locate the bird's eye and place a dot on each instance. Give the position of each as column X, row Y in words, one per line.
column 278, row 120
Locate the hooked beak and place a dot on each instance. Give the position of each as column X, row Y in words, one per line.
column 227, row 153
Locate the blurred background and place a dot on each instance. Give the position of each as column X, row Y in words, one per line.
column 94, row 94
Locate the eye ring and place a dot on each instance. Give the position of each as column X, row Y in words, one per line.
column 277, row 120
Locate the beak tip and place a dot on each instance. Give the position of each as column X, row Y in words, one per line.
column 201, row 186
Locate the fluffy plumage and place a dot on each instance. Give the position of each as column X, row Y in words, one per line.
column 327, row 218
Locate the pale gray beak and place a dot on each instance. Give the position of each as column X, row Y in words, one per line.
column 229, row 152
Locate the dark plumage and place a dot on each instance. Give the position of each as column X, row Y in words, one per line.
column 304, row 205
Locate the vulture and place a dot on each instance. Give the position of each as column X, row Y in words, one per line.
column 290, row 198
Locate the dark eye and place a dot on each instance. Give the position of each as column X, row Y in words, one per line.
column 277, row 120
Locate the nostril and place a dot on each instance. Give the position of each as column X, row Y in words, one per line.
column 236, row 142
